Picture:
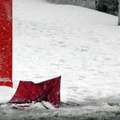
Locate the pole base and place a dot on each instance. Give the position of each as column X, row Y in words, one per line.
column 6, row 83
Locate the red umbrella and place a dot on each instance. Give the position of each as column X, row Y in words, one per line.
column 28, row 92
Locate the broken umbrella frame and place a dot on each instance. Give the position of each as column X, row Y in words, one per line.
column 28, row 92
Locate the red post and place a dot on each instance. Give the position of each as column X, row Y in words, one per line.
column 6, row 43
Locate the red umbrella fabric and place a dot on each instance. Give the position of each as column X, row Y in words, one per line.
column 28, row 92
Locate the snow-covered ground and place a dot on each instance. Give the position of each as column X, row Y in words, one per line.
column 81, row 45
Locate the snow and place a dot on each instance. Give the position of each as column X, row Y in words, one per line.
column 80, row 44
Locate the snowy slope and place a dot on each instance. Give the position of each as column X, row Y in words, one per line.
column 81, row 45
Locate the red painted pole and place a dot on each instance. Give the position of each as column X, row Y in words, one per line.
column 6, row 43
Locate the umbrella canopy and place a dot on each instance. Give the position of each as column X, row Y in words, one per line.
column 28, row 92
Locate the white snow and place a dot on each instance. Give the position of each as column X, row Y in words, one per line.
column 81, row 45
